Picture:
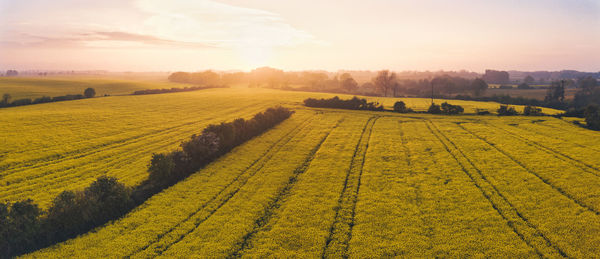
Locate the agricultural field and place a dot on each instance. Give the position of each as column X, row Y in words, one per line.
column 116, row 135
column 35, row 87
column 324, row 183
column 538, row 94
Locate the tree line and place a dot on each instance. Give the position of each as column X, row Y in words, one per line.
column 356, row 103
column 352, row 104
column 24, row 227
column 174, row 90
column 445, row 108
column 6, row 99
column 386, row 83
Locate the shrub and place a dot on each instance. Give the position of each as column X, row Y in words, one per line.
column 451, row 109
column 434, row 109
column 19, row 102
column 21, row 225
column 482, row 112
column 44, row 99
column 592, row 117
column 89, row 92
column 67, row 97
column 532, row 111
column 400, row 106
column 505, row 110
column 574, row 112
column 352, row 104
column 161, row 168
column 175, row 90
column 106, row 199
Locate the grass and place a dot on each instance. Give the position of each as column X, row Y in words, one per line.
column 324, row 183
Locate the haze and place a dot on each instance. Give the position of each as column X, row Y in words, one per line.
column 153, row 35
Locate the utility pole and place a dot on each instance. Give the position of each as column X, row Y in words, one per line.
column 431, row 82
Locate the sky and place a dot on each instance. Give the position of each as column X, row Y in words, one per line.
column 194, row 35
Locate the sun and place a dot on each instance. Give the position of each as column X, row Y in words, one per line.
column 254, row 56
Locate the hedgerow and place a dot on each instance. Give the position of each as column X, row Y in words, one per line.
column 353, row 104
column 24, row 227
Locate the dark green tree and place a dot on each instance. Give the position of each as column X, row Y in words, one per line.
column 592, row 117
column 478, row 86
column 400, row 106
column 434, row 109
column 6, row 99
column 89, row 92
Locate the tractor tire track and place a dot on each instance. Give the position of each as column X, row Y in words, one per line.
column 271, row 210
column 529, row 170
column 513, row 218
column 580, row 164
column 339, row 232
column 251, row 170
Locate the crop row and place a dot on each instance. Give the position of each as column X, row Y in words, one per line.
column 72, row 134
column 127, row 161
column 415, row 200
column 303, row 224
column 223, row 234
column 363, row 184
column 170, row 213
column 547, row 192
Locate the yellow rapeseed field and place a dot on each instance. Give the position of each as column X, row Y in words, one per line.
column 324, row 183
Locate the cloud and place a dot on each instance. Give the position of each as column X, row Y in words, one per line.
column 117, row 36
column 148, row 23
column 226, row 25
column 99, row 39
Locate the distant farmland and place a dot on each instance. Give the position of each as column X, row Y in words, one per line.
column 35, row 87
column 323, row 183
column 538, row 94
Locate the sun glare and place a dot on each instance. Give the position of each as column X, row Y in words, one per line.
column 253, row 56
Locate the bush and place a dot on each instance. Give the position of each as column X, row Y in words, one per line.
column 592, row 117
column 161, row 168
column 532, row 111
column 175, row 90
column 107, row 199
column 67, row 97
column 352, row 104
column 505, row 110
column 44, row 99
column 21, row 225
column 482, row 112
column 400, row 106
column 451, row 109
column 20, row 102
column 434, row 109
column 574, row 112
column 89, row 92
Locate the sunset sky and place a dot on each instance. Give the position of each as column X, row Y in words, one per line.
column 159, row 35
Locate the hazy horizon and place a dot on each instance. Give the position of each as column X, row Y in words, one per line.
column 432, row 35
